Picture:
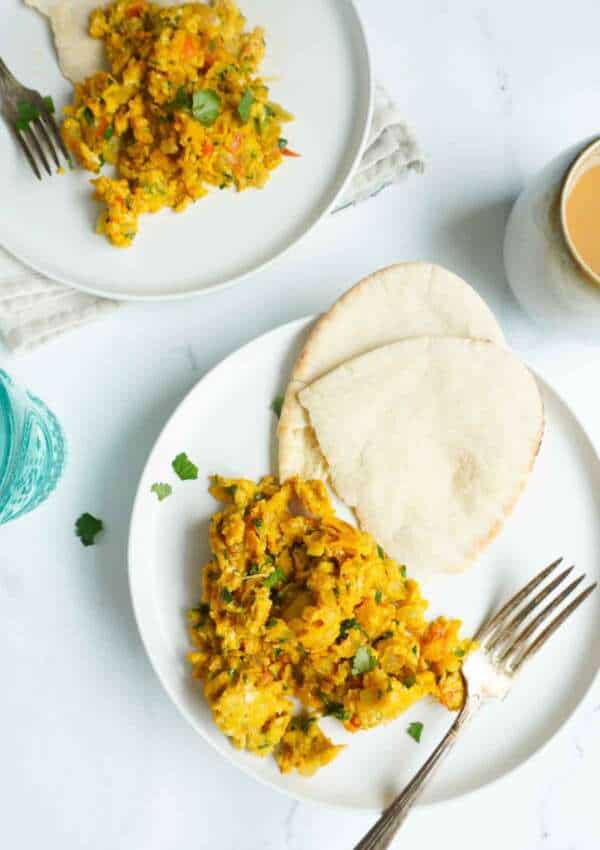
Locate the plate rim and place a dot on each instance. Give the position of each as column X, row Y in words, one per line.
column 316, row 219
column 135, row 573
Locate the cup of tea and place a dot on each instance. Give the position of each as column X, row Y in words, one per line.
column 552, row 243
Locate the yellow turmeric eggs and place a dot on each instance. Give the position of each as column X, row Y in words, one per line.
column 304, row 615
column 181, row 109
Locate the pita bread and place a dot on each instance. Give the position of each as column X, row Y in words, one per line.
column 405, row 300
column 431, row 441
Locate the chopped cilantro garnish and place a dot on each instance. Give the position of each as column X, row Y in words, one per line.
column 460, row 653
column 206, row 106
column 49, row 104
column 346, row 625
column 108, row 133
column 252, row 569
column 331, row 708
column 226, row 595
column 232, row 490
column 409, row 681
column 364, row 661
column 414, row 649
column 202, row 610
column 87, row 527
column 277, row 651
column 258, row 523
column 403, row 571
column 276, row 405
column 415, row 730
column 275, row 578
column 89, row 116
column 380, row 552
column 282, row 144
column 245, row 105
column 386, row 635
column 378, row 597
column 184, row 468
column 161, row 489
column 302, row 722
column 26, row 112
column 181, row 99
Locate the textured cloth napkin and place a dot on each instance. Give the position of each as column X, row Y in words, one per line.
column 34, row 310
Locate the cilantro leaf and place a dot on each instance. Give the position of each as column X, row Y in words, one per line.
column 87, row 527
column 89, row 116
column 346, row 625
column 206, row 106
column 108, row 133
column 282, row 144
column 378, row 597
column 244, row 106
column 302, row 722
column 49, row 104
column 364, row 661
column 415, row 730
column 403, row 571
column 331, row 708
column 410, row 680
column 460, row 653
column 26, row 112
column 161, row 489
column 258, row 523
column 226, row 595
column 276, row 405
column 380, row 552
column 181, row 99
column 184, row 468
column 275, row 578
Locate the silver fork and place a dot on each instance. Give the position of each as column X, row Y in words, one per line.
column 489, row 673
column 16, row 98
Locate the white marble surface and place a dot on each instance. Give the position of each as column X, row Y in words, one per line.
column 93, row 753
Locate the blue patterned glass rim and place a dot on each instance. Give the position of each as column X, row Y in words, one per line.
column 32, row 450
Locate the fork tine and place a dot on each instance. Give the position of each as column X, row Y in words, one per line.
column 39, row 125
column 509, row 630
column 28, row 154
column 488, row 627
column 56, row 132
column 554, row 625
column 543, row 615
column 34, row 139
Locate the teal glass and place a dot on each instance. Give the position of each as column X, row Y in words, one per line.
column 32, row 450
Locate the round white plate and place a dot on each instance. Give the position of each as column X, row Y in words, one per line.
column 318, row 60
column 225, row 425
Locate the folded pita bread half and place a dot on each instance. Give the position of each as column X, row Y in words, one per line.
column 405, row 300
column 431, row 441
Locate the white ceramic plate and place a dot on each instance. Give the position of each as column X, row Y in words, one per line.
column 226, row 425
column 318, row 58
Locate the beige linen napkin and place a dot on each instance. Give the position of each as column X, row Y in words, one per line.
column 34, row 310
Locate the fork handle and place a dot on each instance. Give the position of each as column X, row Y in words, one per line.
column 382, row 833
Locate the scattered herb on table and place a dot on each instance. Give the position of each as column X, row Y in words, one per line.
column 184, row 468
column 415, row 730
column 161, row 489
column 49, row 104
column 87, row 527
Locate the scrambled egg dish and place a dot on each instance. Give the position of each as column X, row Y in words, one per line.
column 182, row 108
column 298, row 603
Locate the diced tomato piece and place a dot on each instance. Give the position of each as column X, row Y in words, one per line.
column 207, row 148
column 189, row 49
column 135, row 11
column 102, row 125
